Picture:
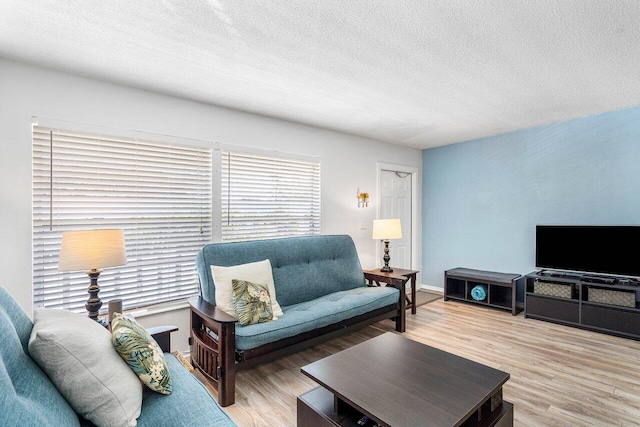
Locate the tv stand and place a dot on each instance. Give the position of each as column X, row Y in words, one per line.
column 589, row 301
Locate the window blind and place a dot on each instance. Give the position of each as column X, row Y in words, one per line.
column 158, row 193
column 266, row 197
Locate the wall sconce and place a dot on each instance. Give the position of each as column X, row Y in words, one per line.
column 363, row 199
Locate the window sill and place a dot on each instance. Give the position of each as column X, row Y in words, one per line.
column 159, row 308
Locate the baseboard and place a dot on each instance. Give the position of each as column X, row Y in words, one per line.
column 425, row 287
column 431, row 288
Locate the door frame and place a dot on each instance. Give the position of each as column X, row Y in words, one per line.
column 415, row 209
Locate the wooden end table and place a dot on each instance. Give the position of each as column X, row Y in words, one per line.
column 398, row 279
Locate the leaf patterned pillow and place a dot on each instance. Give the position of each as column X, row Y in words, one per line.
column 251, row 302
column 141, row 352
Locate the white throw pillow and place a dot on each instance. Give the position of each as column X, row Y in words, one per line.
column 255, row 272
column 79, row 358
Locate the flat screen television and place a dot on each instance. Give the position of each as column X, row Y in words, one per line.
column 590, row 249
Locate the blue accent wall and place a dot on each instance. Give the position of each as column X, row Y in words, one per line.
column 482, row 199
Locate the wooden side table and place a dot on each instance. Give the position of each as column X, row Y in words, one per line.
column 397, row 278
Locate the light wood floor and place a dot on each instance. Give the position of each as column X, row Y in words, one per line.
column 560, row 376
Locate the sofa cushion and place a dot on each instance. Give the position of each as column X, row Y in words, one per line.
column 27, row 396
column 252, row 302
column 190, row 403
column 304, row 268
column 78, row 356
column 141, row 352
column 255, row 272
column 309, row 315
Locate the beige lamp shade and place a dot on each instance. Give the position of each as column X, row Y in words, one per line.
column 92, row 250
column 387, row 229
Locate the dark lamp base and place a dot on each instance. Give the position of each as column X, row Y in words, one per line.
column 386, row 258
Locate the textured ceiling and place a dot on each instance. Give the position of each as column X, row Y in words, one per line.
column 415, row 72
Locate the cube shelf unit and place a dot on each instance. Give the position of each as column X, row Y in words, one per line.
column 501, row 287
column 579, row 308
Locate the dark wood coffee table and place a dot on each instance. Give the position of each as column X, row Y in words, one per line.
column 398, row 382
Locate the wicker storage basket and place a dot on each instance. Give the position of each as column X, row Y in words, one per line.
column 560, row 290
column 609, row 296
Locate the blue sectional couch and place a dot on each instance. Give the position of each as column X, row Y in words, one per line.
column 320, row 286
column 29, row 398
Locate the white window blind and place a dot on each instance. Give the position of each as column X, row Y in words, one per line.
column 159, row 193
column 266, row 197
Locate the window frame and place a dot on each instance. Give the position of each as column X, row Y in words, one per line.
column 313, row 172
column 78, row 282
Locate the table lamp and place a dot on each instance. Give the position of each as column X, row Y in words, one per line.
column 92, row 250
column 386, row 229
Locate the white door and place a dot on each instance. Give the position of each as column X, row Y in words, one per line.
column 395, row 202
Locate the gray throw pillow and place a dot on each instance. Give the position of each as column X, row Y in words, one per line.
column 79, row 358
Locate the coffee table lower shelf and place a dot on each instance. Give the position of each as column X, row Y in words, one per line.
column 316, row 409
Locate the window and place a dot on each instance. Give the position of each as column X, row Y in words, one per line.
column 159, row 193
column 265, row 197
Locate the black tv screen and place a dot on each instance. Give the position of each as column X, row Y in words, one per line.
column 594, row 249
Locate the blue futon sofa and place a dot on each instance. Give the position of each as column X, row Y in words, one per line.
column 29, row 398
column 320, row 286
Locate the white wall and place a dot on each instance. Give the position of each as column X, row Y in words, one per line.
column 348, row 161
